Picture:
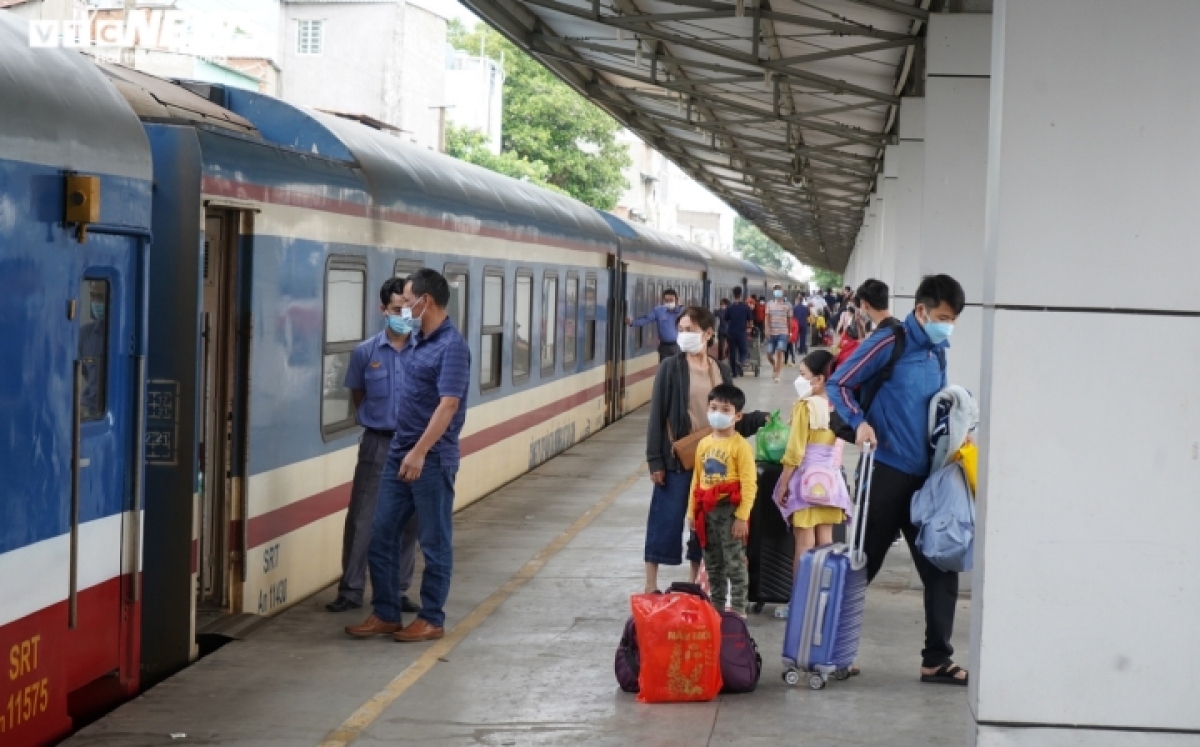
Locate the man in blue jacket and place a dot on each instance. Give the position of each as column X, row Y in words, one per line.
column 738, row 316
column 905, row 366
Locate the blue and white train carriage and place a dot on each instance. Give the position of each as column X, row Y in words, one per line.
column 171, row 366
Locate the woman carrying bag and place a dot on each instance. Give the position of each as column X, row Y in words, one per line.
column 678, row 420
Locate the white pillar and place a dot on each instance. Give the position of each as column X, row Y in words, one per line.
column 1084, row 630
column 909, row 205
column 956, row 122
column 891, row 198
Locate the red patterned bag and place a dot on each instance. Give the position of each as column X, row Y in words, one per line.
column 679, row 640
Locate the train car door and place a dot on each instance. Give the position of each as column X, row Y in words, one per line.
column 222, row 391
column 618, row 310
column 104, row 441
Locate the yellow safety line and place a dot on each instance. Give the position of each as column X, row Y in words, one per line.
column 368, row 712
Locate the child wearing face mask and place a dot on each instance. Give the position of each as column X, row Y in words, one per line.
column 811, row 492
column 724, row 483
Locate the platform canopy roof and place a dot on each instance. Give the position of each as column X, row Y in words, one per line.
column 780, row 107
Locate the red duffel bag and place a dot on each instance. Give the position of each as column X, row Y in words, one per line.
column 679, row 639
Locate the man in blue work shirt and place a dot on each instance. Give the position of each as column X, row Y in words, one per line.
column 665, row 318
column 738, row 315
column 418, row 479
column 373, row 378
column 895, row 421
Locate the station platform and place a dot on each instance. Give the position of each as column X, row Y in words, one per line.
column 543, row 572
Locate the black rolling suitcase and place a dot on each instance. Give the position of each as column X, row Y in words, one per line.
column 771, row 545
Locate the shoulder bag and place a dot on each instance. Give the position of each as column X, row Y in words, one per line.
column 685, row 448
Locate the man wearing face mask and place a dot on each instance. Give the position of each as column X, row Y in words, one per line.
column 664, row 317
column 422, row 464
column 777, row 313
column 373, row 378
column 883, row 392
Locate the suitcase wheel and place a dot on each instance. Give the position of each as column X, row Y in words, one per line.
column 758, row 607
column 816, row 682
column 791, row 677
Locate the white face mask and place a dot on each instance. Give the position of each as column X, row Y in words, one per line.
column 670, row 305
column 690, row 342
column 803, row 387
column 719, row 420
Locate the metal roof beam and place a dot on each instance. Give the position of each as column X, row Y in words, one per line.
column 834, row 53
column 894, row 7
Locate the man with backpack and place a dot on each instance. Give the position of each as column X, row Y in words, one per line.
column 872, row 297
column 883, row 393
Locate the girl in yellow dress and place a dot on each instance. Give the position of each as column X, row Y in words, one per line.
column 811, row 492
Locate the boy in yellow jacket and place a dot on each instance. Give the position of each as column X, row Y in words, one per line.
column 724, row 482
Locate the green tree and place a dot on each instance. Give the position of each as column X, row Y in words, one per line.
column 547, row 122
column 754, row 246
column 826, row 278
column 472, row 146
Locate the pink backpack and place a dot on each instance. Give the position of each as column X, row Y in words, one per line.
column 818, row 485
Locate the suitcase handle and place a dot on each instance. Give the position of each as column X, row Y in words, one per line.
column 862, row 504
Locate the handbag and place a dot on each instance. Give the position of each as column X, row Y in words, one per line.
column 685, row 448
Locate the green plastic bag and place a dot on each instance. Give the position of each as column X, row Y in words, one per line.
column 771, row 440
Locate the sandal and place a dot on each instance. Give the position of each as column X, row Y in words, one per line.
column 946, row 674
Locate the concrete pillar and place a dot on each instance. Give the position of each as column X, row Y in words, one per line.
column 956, row 125
column 910, row 162
column 1084, row 627
column 889, row 229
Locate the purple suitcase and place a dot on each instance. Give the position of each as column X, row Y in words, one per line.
column 828, row 596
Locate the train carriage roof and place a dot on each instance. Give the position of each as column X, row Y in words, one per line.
column 645, row 243
column 59, row 111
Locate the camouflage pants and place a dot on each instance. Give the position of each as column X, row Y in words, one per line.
column 725, row 559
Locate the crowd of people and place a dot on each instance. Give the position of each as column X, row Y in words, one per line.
column 874, row 389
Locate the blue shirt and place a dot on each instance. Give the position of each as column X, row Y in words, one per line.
column 800, row 311
column 433, row 367
column 666, row 321
column 738, row 315
column 375, row 369
column 900, row 411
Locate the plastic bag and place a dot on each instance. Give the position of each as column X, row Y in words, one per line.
column 771, row 440
column 968, row 457
column 679, row 639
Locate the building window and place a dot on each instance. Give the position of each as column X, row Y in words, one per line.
column 491, row 340
column 522, row 353
column 460, row 283
column 569, row 320
column 589, row 315
column 549, row 321
column 93, row 348
column 309, row 37
column 345, row 301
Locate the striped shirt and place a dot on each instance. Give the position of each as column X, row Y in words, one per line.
column 433, row 367
column 778, row 313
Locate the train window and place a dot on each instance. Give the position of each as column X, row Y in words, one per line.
column 491, row 341
column 639, row 302
column 523, row 326
column 549, row 321
column 406, row 267
column 589, row 324
column 345, row 301
column 93, row 347
column 569, row 320
column 460, row 285
column 309, row 37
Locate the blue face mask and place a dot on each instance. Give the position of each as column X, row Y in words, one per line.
column 98, row 310
column 779, row 294
column 400, row 325
column 719, row 420
column 938, row 332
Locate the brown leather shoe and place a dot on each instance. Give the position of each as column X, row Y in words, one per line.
column 372, row 626
column 418, row 630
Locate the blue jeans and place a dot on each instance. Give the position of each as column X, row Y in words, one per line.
column 668, row 516
column 431, row 499
column 738, row 351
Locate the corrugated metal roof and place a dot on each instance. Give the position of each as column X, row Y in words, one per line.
column 780, row 107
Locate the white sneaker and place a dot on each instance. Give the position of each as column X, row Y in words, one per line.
column 776, row 379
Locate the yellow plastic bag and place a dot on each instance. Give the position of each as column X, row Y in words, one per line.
column 969, row 456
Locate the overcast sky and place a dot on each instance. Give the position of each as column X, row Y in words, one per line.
column 262, row 17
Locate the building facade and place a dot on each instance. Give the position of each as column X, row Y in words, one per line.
column 383, row 59
column 475, row 94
